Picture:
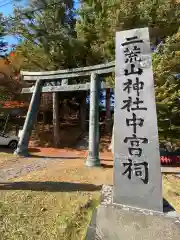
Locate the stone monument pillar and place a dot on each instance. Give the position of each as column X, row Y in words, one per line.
column 137, row 172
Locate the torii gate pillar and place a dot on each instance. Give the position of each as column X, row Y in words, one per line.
column 93, row 153
column 22, row 149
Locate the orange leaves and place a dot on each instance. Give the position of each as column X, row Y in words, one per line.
column 13, row 104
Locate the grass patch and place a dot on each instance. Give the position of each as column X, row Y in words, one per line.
column 55, row 210
column 171, row 190
column 6, row 155
column 26, row 215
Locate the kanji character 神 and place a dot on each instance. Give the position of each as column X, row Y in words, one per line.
column 137, row 86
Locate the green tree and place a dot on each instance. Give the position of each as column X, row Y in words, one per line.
column 47, row 26
column 30, row 57
column 96, row 27
column 100, row 19
column 3, row 44
column 166, row 66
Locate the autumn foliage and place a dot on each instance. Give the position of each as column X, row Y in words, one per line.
column 13, row 104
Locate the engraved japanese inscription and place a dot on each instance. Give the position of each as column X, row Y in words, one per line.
column 137, row 175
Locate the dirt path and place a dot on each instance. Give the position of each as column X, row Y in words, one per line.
column 12, row 167
column 59, row 164
column 56, row 163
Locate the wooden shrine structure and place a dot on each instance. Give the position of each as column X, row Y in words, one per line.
column 66, row 81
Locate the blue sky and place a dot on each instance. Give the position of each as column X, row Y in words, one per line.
column 8, row 10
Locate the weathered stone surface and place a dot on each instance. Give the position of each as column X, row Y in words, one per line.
column 115, row 222
column 137, row 173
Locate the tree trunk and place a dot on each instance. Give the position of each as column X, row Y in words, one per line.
column 56, row 135
column 44, row 121
column 111, row 147
column 83, row 113
column 108, row 111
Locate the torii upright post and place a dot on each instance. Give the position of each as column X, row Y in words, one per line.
column 22, row 149
column 93, row 155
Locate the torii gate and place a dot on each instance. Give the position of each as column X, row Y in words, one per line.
column 59, row 81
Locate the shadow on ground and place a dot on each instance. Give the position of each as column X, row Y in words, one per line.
column 56, row 157
column 70, row 157
column 167, row 207
column 50, row 186
column 63, row 187
column 103, row 165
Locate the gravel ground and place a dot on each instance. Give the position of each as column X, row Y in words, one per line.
column 18, row 170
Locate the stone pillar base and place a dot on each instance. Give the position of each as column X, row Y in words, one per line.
column 112, row 221
column 21, row 153
column 93, row 162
